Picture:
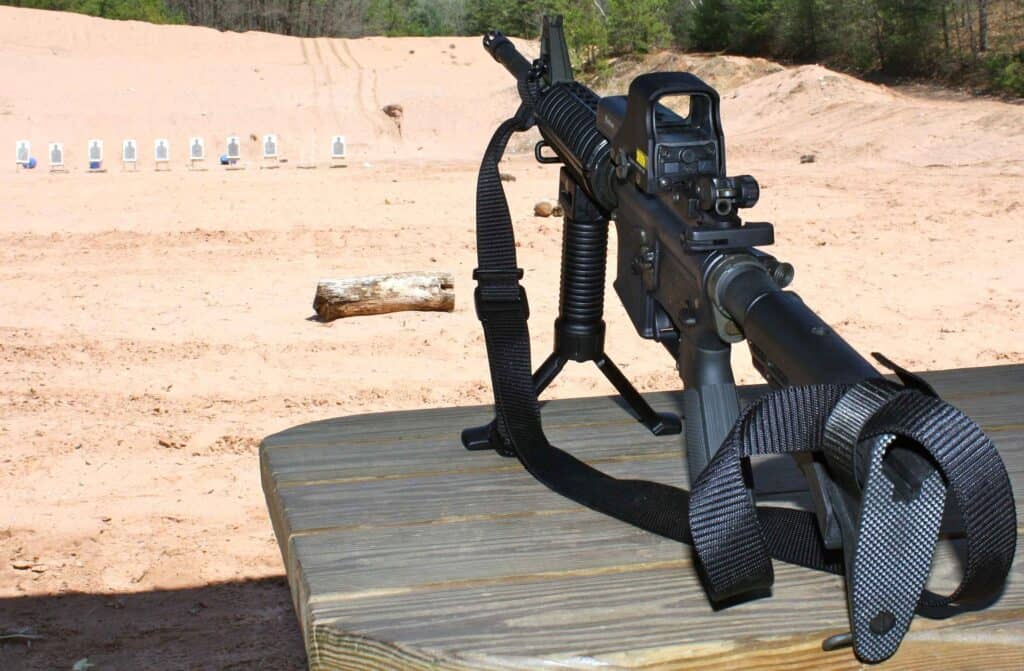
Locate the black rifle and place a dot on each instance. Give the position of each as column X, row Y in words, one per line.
column 877, row 456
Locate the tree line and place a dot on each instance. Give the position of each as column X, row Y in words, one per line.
column 977, row 42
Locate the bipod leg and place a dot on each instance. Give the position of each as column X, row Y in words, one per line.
column 486, row 437
column 659, row 423
column 580, row 328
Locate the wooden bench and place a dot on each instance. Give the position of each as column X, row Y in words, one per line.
column 404, row 551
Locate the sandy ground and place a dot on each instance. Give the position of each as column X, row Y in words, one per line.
column 154, row 327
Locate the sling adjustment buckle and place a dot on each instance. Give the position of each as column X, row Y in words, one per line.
column 499, row 291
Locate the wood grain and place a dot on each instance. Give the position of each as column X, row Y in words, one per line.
column 403, row 551
column 381, row 294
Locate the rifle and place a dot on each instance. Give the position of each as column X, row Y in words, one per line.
column 880, row 458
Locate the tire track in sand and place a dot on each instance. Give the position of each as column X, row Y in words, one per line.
column 321, row 62
column 313, row 59
column 337, row 56
column 369, row 104
column 336, row 80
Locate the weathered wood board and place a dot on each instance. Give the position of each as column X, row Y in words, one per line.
column 404, row 551
column 381, row 294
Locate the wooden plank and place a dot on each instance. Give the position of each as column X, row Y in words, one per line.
column 508, row 564
column 371, row 563
column 476, row 551
column 419, row 455
column 398, row 443
column 436, row 497
column 405, row 552
column 966, row 391
column 483, row 548
column 604, row 616
column 379, row 428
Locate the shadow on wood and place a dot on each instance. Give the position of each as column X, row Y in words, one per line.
column 233, row 625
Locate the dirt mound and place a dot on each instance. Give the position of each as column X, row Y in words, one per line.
column 70, row 78
column 814, row 110
column 768, row 109
column 812, row 88
column 725, row 73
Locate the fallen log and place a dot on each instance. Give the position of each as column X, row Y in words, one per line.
column 380, row 294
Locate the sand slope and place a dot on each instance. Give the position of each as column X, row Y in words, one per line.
column 153, row 327
column 842, row 118
column 69, row 78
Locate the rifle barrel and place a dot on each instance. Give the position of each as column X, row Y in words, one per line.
column 797, row 345
column 503, row 51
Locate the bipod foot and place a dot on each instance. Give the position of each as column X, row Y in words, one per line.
column 658, row 423
column 486, row 437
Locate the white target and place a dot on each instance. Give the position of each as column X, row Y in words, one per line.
column 56, row 154
column 270, row 147
column 129, row 151
column 22, row 152
column 162, row 150
column 95, row 151
column 234, row 148
column 338, row 146
column 196, row 149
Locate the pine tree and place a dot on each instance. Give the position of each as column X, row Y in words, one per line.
column 710, row 29
column 637, row 25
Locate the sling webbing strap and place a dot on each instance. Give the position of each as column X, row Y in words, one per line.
column 502, row 308
column 733, row 538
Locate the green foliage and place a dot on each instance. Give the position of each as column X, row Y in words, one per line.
column 416, row 17
column 798, row 26
column 391, row 17
column 846, row 34
column 1011, row 79
column 753, row 26
column 512, row 17
column 1006, row 71
column 586, row 28
column 906, row 35
column 710, row 27
column 439, row 17
column 586, row 31
column 154, row 11
column 637, row 26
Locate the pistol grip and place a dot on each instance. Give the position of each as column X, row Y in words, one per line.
column 709, row 413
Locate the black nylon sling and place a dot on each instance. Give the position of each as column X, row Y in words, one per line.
column 735, row 540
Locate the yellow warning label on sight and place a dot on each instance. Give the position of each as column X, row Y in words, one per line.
column 641, row 158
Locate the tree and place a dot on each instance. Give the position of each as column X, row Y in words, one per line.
column 798, row 27
column 515, row 17
column 753, row 26
column 710, row 28
column 154, row 11
column 586, row 30
column 982, row 25
column 390, row 17
column 907, row 35
column 637, row 25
